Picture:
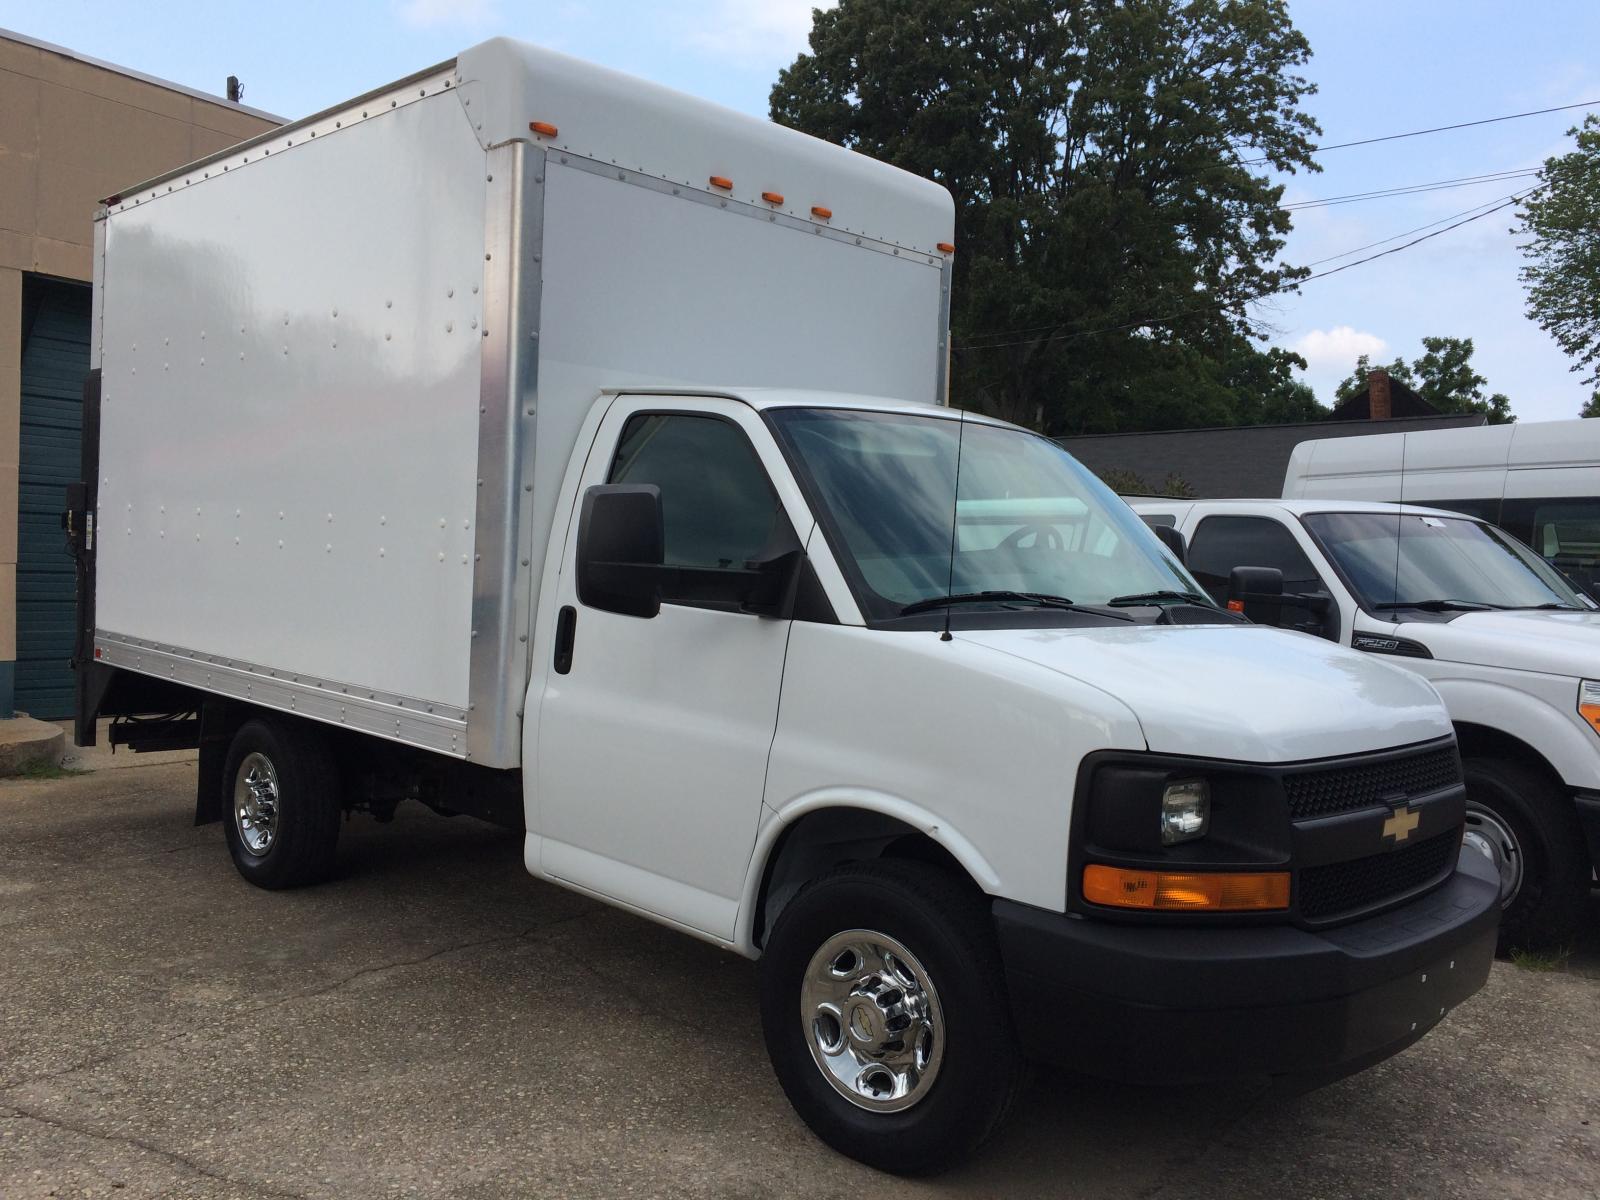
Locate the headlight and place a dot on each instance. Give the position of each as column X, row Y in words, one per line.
column 1186, row 805
column 1589, row 702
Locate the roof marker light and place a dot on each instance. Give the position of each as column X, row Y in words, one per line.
column 723, row 182
column 945, row 247
column 820, row 213
column 772, row 197
column 542, row 128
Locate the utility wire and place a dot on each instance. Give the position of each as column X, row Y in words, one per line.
column 1391, row 137
column 1414, row 188
column 1138, row 324
column 1394, row 237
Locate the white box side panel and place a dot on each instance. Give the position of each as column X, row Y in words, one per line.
column 291, row 389
column 646, row 289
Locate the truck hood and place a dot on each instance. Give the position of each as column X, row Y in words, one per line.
column 1550, row 642
column 1240, row 692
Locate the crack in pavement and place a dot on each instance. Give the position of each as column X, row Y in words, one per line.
column 17, row 1112
column 296, row 997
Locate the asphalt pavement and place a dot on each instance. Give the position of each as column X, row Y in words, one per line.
column 436, row 1023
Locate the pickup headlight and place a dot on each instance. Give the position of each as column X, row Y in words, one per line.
column 1589, row 703
column 1186, row 811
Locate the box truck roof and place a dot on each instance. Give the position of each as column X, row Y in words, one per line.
column 516, row 91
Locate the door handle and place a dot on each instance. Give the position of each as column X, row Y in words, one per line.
column 566, row 630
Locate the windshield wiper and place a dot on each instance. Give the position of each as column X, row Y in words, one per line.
column 1443, row 606
column 1157, row 597
column 1001, row 596
column 1540, row 607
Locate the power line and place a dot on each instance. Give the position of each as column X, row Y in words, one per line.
column 1391, row 137
column 1414, row 188
column 1407, row 232
column 1072, row 334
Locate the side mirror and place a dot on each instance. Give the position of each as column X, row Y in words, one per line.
column 1174, row 541
column 1257, row 592
column 621, row 541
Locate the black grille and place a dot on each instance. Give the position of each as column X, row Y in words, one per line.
column 1369, row 785
column 1346, row 887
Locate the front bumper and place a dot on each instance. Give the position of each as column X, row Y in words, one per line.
column 1166, row 1004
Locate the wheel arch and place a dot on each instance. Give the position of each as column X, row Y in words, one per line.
column 816, row 833
column 1485, row 741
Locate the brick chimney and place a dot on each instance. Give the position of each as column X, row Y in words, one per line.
column 1379, row 407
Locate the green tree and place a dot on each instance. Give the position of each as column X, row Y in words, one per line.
column 1108, row 160
column 1443, row 376
column 1563, row 253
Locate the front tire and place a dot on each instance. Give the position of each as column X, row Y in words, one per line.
column 281, row 804
column 886, row 1016
column 1529, row 830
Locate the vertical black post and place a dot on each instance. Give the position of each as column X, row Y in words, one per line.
column 79, row 520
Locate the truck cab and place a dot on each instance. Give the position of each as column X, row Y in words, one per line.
column 1512, row 645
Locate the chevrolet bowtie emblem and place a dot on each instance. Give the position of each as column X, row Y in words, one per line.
column 1400, row 823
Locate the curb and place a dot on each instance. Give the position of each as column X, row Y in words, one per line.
column 25, row 743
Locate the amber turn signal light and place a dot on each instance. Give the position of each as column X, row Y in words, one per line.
column 1589, row 703
column 542, row 128
column 1188, row 891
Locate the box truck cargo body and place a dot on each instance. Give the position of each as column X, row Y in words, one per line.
column 342, row 366
column 541, row 445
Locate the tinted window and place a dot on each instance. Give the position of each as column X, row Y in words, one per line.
column 1159, row 520
column 1565, row 533
column 716, row 503
column 1222, row 543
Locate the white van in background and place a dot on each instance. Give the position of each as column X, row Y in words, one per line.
column 1539, row 481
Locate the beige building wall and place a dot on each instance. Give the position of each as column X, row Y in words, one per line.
column 72, row 132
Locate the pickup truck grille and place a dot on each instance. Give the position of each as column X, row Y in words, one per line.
column 1336, row 889
column 1370, row 785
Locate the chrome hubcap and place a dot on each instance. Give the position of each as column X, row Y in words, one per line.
column 1491, row 837
column 255, row 804
column 872, row 1019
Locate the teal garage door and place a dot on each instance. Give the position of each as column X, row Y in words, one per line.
column 55, row 358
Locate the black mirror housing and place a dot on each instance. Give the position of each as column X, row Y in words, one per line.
column 1173, row 541
column 1257, row 592
column 620, row 529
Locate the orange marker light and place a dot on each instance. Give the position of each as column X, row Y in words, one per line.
column 822, row 214
column 772, row 197
column 542, row 128
column 945, row 247
column 1236, row 606
column 1589, row 703
column 1193, row 891
column 723, row 182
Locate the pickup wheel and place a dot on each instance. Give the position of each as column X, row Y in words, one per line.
column 886, row 1015
column 282, row 800
column 1528, row 828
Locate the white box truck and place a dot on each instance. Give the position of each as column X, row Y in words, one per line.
column 540, row 444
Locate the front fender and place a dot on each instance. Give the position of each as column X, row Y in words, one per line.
column 1572, row 750
column 862, row 800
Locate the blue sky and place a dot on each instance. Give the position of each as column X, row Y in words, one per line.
column 1382, row 66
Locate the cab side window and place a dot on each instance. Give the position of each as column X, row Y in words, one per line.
column 1225, row 542
column 717, row 505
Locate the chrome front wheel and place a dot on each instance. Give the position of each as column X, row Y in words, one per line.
column 872, row 1020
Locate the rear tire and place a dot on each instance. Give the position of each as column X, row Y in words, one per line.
column 281, row 803
column 886, row 1016
column 1529, row 829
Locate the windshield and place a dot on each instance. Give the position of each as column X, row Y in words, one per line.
column 1029, row 518
column 1399, row 560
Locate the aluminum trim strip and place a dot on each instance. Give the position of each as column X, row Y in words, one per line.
column 941, row 382
column 371, row 106
column 741, row 208
column 413, row 722
column 502, row 575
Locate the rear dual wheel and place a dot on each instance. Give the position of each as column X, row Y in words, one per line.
column 886, row 1016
